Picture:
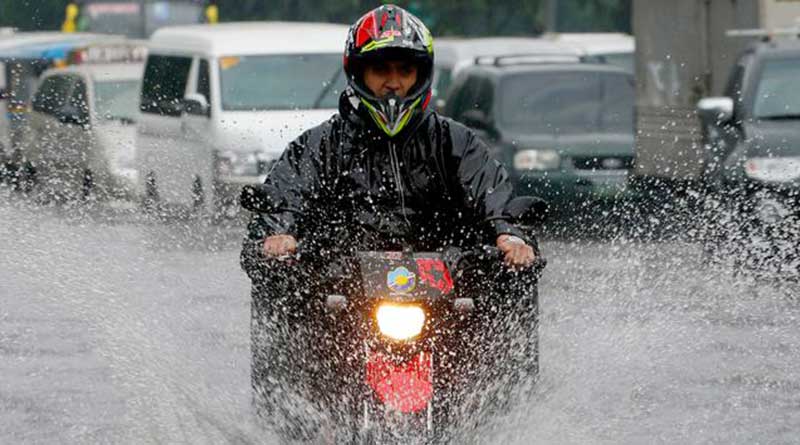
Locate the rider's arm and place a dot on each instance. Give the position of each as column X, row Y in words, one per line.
column 484, row 182
column 292, row 184
column 487, row 191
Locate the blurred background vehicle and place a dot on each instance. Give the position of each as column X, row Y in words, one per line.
column 23, row 58
column 601, row 47
column 563, row 128
column 220, row 103
column 79, row 137
column 454, row 54
column 674, row 70
column 136, row 18
column 752, row 145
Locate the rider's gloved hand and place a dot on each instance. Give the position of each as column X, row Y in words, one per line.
column 517, row 253
column 280, row 246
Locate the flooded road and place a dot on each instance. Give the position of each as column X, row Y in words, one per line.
column 115, row 331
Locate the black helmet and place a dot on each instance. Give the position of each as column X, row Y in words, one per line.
column 390, row 31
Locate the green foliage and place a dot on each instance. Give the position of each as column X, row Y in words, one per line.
column 33, row 15
column 444, row 17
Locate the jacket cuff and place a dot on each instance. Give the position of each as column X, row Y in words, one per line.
column 503, row 227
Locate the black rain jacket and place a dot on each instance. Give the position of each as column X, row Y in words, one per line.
column 344, row 184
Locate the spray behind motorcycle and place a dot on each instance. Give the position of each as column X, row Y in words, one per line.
column 402, row 339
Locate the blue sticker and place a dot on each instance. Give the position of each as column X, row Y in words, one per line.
column 401, row 280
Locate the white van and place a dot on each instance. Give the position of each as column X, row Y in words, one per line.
column 221, row 102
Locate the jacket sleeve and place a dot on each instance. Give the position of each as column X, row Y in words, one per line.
column 484, row 182
column 293, row 183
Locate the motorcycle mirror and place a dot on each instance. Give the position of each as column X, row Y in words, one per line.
column 255, row 199
column 528, row 210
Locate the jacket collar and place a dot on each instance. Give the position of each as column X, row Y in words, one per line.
column 358, row 118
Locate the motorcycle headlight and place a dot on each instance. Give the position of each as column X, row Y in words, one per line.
column 400, row 321
column 537, row 160
column 782, row 169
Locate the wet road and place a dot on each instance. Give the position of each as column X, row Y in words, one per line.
column 115, row 331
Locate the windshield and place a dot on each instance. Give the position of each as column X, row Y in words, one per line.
column 281, row 82
column 116, row 100
column 567, row 102
column 623, row 60
column 126, row 18
column 778, row 92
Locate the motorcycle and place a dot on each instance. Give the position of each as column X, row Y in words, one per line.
column 396, row 343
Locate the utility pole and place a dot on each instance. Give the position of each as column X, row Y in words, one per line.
column 551, row 16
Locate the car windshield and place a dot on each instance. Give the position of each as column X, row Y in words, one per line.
column 567, row 102
column 623, row 60
column 117, row 17
column 116, row 99
column 778, row 92
column 281, row 82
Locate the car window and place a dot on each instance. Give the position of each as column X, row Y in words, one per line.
column 78, row 100
column 164, row 84
column 281, row 82
column 484, row 96
column 204, row 80
column 567, row 102
column 116, row 99
column 778, row 92
column 463, row 98
column 733, row 88
column 52, row 94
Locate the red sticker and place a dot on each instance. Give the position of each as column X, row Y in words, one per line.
column 434, row 273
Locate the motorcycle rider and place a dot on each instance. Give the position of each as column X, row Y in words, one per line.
column 384, row 173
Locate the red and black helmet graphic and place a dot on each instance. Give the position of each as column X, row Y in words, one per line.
column 390, row 31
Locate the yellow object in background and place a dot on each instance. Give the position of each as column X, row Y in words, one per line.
column 212, row 14
column 228, row 62
column 70, row 24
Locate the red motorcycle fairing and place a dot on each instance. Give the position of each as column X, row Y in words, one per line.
column 407, row 386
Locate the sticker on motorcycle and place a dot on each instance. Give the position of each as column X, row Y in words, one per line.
column 401, row 280
column 434, row 273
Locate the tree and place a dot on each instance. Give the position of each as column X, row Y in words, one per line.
column 32, row 15
column 444, row 17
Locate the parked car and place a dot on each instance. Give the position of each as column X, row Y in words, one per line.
column 752, row 142
column 79, row 136
column 23, row 58
column 454, row 54
column 220, row 103
column 563, row 128
column 601, row 47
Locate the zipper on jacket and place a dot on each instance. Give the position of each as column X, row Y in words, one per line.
column 395, row 164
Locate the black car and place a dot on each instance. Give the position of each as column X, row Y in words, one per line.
column 563, row 128
column 752, row 142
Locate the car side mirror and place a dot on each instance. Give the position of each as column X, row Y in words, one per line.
column 716, row 110
column 196, row 104
column 72, row 115
column 528, row 210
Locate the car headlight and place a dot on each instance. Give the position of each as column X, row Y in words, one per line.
column 537, row 160
column 242, row 164
column 781, row 169
column 400, row 321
